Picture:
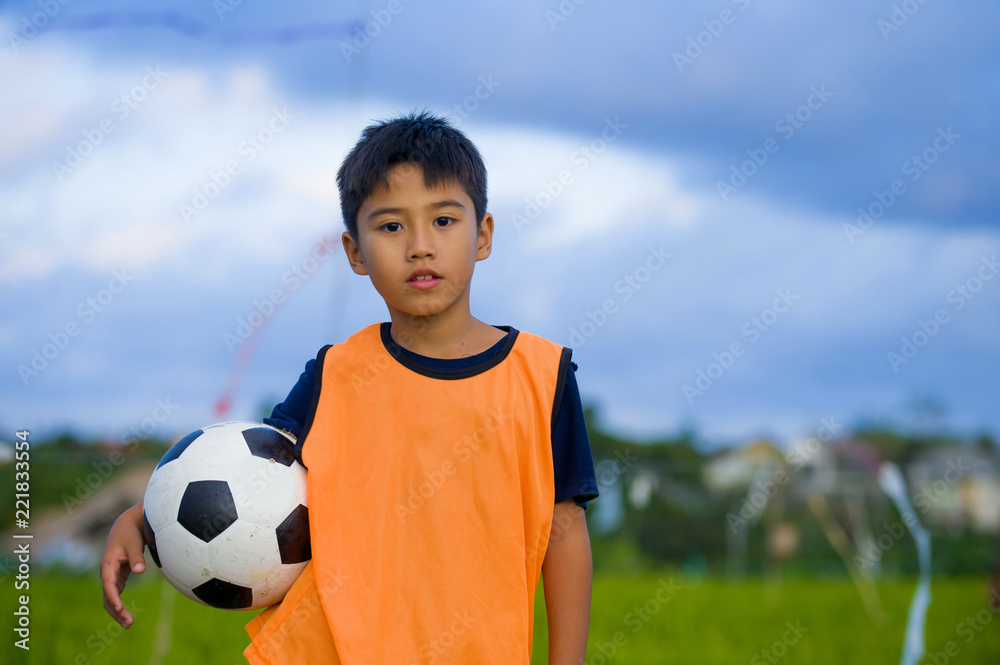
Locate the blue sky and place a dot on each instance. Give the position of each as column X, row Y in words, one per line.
column 739, row 138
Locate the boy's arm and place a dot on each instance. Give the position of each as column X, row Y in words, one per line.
column 567, row 574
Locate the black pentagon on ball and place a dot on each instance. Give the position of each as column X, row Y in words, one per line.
column 207, row 508
column 179, row 447
column 293, row 536
column 269, row 444
column 147, row 531
column 224, row 595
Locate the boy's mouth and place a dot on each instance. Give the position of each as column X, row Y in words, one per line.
column 424, row 282
column 423, row 279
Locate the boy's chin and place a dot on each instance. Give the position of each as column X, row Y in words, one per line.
column 413, row 313
column 422, row 315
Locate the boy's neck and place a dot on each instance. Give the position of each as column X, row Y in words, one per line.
column 444, row 339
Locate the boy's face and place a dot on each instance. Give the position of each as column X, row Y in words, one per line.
column 405, row 228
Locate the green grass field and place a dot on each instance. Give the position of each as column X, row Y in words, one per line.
column 639, row 620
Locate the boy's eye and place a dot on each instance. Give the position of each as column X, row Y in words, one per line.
column 392, row 227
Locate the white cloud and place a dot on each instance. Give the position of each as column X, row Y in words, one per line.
column 558, row 191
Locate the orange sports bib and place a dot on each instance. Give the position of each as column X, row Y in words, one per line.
column 430, row 505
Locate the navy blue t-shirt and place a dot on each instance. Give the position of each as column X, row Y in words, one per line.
column 572, row 460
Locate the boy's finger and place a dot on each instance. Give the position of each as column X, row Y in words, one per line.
column 111, row 582
column 116, row 609
column 137, row 563
column 114, row 599
column 123, row 573
column 121, row 615
column 110, row 609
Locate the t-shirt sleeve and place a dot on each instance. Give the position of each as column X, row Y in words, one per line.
column 572, row 459
column 290, row 415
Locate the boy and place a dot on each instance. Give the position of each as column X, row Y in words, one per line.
column 449, row 465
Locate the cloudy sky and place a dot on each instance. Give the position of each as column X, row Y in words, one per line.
column 744, row 217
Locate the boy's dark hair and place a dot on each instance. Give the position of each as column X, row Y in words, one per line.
column 422, row 138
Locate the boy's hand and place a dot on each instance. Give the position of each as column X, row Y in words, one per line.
column 122, row 556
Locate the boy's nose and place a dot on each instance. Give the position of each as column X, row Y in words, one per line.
column 421, row 244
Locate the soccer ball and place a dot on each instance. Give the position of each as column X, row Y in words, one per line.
column 225, row 515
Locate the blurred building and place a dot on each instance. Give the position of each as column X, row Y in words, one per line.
column 957, row 487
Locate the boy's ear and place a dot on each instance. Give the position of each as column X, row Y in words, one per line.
column 354, row 254
column 485, row 241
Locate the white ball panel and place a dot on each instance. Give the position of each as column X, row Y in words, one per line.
column 163, row 495
column 214, row 454
column 272, row 588
column 180, row 586
column 186, row 557
column 245, row 553
column 264, row 492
